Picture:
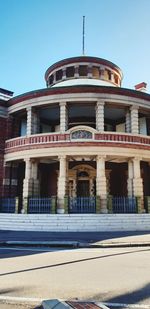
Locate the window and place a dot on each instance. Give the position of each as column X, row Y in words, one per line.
column 51, row 79
column 59, row 75
column 95, row 72
column 70, row 71
column 83, row 70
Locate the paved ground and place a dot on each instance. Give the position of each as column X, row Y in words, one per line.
column 119, row 275
column 77, row 274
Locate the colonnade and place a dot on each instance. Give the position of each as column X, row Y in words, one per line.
column 134, row 181
column 131, row 118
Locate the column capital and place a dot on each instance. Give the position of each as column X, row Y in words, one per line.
column 27, row 159
column 62, row 157
column 101, row 157
column 100, row 103
column 136, row 159
column 28, row 108
column 63, row 103
column 134, row 107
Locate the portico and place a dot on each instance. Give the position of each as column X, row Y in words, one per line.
column 82, row 176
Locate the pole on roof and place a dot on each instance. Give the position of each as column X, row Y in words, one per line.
column 83, row 37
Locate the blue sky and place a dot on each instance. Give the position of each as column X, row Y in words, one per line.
column 36, row 33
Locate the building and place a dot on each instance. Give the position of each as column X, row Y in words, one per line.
column 80, row 145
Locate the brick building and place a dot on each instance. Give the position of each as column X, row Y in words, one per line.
column 80, row 145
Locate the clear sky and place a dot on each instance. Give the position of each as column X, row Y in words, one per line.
column 36, row 33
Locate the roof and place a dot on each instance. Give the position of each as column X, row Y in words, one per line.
column 79, row 89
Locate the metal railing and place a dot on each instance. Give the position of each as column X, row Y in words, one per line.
column 39, row 205
column 124, row 205
column 82, row 205
column 8, row 205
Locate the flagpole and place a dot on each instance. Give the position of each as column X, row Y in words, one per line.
column 83, row 37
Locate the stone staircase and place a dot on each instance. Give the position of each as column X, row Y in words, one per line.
column 75, row 222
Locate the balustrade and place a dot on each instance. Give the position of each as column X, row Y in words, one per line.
column 54, row 138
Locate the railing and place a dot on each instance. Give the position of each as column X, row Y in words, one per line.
column 8, row 205
column 67, row 137
column 122, row 137
column 37, row 139
column 123, row 204
column 82, row 205
column 39, row 205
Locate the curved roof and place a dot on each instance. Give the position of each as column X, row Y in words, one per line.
column 79, row 89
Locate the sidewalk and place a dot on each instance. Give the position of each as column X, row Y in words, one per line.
column 75, row 239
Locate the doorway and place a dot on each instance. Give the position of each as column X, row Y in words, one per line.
column 83, row 188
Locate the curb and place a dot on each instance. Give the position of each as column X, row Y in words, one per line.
column 73, row 244
column 67, row 244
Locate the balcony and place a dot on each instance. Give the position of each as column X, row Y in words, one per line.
column 78, row 136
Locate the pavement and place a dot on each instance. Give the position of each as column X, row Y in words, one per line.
column 75, row 239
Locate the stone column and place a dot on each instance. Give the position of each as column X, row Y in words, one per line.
column 76, row 74
column 54, row 75
column 89, row 75
column 35, row 123
column 112, row 77
column 134, row 120
column 138, row 182
column 107, row 172
column 34, row 172
column 6, row 176
column 64, row 73
column 102, row 73
column 27, row 183
column 128, row 121
column 100, row 116
column 61, row 189
column 130, row 179
column 63, row 117
column 101, row 186
column 29, row 120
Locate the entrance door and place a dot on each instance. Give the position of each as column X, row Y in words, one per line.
column 83, row 188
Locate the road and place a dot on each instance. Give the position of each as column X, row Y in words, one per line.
column 120, row 275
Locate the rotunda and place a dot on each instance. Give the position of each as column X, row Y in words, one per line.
column 80, row 145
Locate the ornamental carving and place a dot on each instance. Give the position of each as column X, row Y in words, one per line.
column 81, row 134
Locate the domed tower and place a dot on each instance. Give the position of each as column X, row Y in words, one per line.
column 83, row 70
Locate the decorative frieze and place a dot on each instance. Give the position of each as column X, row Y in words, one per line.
column 79, row 134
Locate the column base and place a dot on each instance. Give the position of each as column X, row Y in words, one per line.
column 103, row 203
column 60, row 211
